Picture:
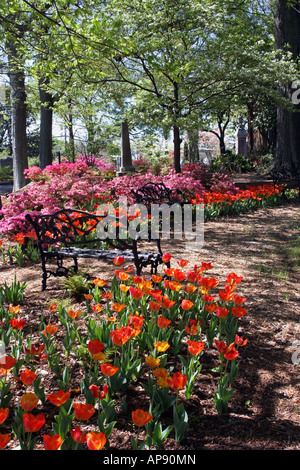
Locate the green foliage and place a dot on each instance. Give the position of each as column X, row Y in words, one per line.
column 13, row 293
column 6, row 173
column 233, row 163
column 78, row 284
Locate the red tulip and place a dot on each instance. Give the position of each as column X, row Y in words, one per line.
column 3, row 414
column 4, row 440
column 82, row 411
column 95, row 346
column 7, row 362
column 33, row 423
column 27, row 377
column 52, row 442
column 78, row 435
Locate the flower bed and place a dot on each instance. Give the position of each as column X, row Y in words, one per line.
column 153, row 332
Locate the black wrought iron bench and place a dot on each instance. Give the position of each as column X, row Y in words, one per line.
column 71, row 233
column 284, row 179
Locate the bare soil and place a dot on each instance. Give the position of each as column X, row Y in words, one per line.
column 264, row 410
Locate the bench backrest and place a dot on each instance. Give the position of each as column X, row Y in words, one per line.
column 156, row 193
column 69, row 227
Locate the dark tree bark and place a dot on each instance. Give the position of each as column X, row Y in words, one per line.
column 71, row 132
column 46, row 121
column 287, row 33
column 177, row 142
column 18, row 113
column 126, row 157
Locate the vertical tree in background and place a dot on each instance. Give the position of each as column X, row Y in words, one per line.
column 18, row 108
column 287, row 35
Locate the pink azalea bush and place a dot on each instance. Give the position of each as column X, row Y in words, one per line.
column 80, row 185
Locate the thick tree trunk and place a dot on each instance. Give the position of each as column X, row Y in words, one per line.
column 126, row 157
column 177, row 142
column 287, row 32
column 18, row 114
column 46, row 120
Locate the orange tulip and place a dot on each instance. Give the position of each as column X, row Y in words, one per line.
column 82, row 411
column 238, row 312
column 167, row 303
column 195, row 347
column 122, row 275
column 118, row 307
column 240, row 341
column 163, row 322
column 97, row 308
column 99, row 282
column 27, row 377
column 232, row 280
column 179, row 276
column 186, row 304
column 238, row 300
column 183, row 263
column 225, row 295
column 173, row 285
column 156, row 279
column 51, row 329
column 179, row 381
column 135, row 321
column 95, row 441
column 190, row 288
column 3, row 414
column 29, row 401
column 58, row 398
column 106, row 295
column 231, row 353
column 33, row 423
column 152, row 361
column 14, row 309
column 154, row 306
column 169, row 272
column 208, row 282
column 140, row 417
column 211, row 308
column 88, row 296
column 35, row 350
column 4, row 440
column 161, row 346
column 120, row 336
column 52, row 442
column 108, row 370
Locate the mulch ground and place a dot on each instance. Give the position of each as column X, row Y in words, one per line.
column 264, row 410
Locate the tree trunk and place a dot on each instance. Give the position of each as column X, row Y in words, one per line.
column 287, row 32
column 126, row 157
column 71, row 133
column 46, row 119
column 18, row 114
column 177, row 142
